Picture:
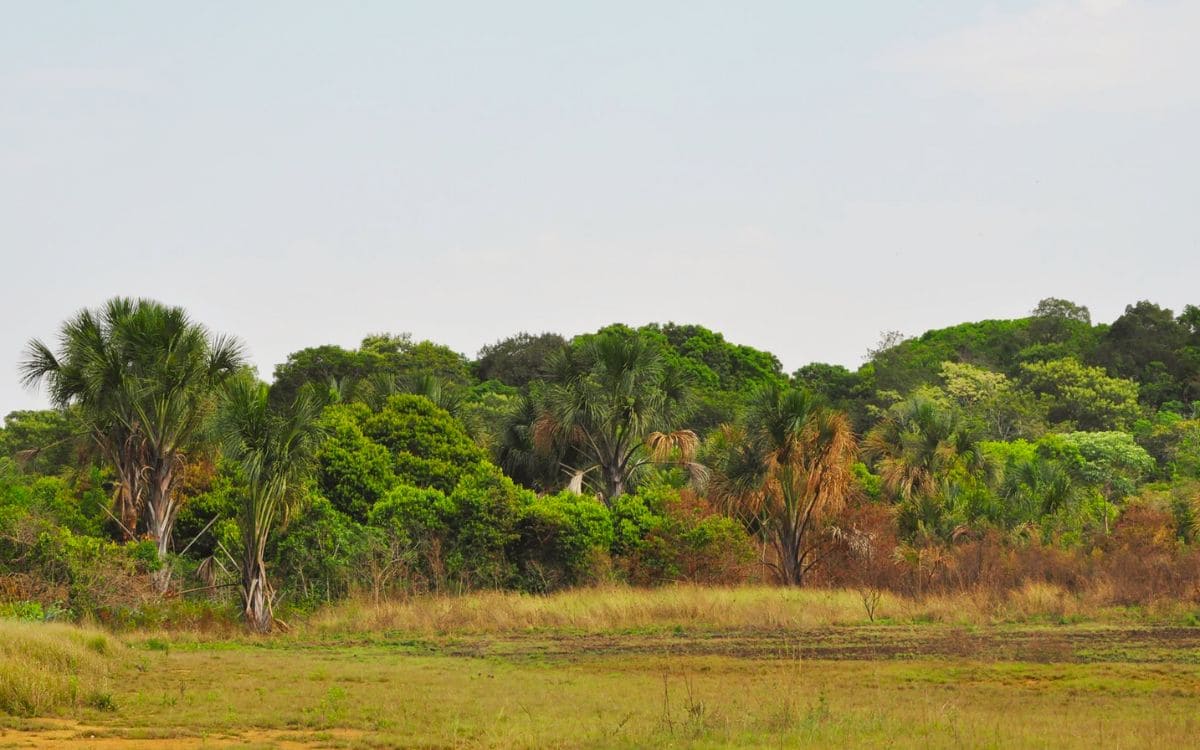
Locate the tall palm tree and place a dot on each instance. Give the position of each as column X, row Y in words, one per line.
column 784, row 470
column 143, row 378
column 618, row 404
column 276, row 450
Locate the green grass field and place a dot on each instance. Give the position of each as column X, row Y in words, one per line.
column 424, row 674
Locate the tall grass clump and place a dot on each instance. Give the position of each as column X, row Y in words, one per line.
column 46, row 667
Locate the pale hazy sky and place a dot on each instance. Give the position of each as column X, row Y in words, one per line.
column 798, row 175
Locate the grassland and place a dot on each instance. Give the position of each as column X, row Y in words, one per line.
column 673, row 668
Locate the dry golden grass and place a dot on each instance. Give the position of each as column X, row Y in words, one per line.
column 609, row 609
column 45, row 667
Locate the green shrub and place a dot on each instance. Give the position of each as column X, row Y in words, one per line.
column 480, row 521
column 317, row 552
column 564, row 539
column 23, row 610
column 685, row 540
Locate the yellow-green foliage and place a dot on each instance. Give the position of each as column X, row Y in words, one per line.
column 47, row 667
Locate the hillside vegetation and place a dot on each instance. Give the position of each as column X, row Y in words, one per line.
column 168, row 485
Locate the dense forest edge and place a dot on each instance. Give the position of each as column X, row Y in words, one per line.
column 170, row 486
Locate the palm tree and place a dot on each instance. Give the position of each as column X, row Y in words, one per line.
column 276, row 450
column 1036, row 488
column 618, row 404
column 917, row 444
column 143, row 379
column 516, row 452
column 785, row 470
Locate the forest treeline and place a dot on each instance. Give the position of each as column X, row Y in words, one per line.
column 168, row 481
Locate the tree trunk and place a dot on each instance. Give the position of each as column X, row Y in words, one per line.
column 614, row 484
column 161, row 509
column 256, row 595
column 789, row 545
column 128, row 496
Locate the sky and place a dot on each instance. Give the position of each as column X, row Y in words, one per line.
column 798, row 175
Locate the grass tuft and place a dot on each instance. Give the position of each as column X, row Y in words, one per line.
column 46, row 667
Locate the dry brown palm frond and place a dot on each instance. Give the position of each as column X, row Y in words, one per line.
column 206, row 572
column 698, row 476
column 662, row 445
column 545, row 433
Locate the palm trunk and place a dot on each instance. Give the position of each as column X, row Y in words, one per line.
column 161, row 509
column 614, row 485
column 256, row 594
column 129, row 491
column 790, row 568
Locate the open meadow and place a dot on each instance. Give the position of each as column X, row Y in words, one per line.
column 680, row 667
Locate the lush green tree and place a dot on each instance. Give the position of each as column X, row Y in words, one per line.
column 327, row 366
column 402, row 357
column 1113, row 462
column 1060, row 328
column 51, row 497
column 318, row 556
column 842, row 389
column 276, row 452
column 735, row 366
column 141, row 378
column 429, row 447
column 1146, row 344
column 482, row 515
column 722, row 374
column 1082, row 396
column 619, row 404
column 42, row 442
column 1000, row 410
column 383, row 364
column 1052, row 310
column 993, row 344
column 412, row 525
column 785, row 470
column 563, row 539
column 518, row 359
column 407, row 441
column 354, row 472
column 460, row 539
